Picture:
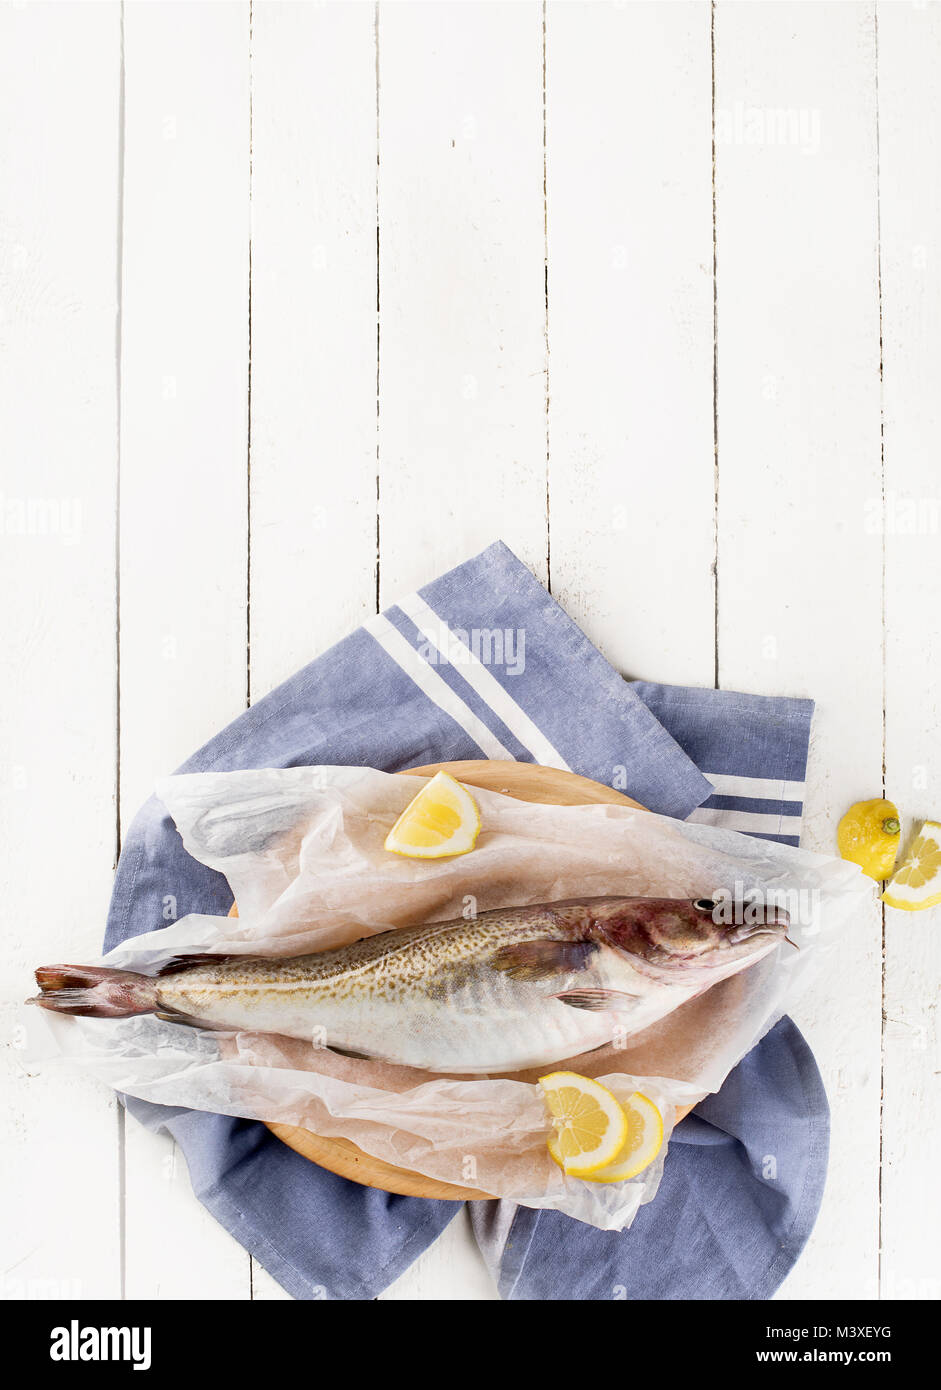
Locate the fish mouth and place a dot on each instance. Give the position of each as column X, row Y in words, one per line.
column 773, row 922
column 757, row 936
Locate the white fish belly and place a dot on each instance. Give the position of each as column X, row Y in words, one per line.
column 455, row 1035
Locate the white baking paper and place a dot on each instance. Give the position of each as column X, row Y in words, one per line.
column 302, row 849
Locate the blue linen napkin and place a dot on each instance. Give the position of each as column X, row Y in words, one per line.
column 739, row 1196
column 483, row 663
column 752, row 749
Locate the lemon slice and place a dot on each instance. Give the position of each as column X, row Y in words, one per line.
column 644, row 1141
column 588, row 1123
column 441, row 820
column 917, row 884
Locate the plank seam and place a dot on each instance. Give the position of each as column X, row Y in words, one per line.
column 378, row 324
column 715, row 358
column 882, row 962
column 545, row 273
column 119, row 424
column 248, row 442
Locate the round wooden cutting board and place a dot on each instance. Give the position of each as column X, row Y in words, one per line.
column 526, row 782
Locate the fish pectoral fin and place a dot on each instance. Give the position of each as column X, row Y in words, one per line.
column 597, row 1000
column 539, row 960
column 178, row 963
column 348, row 1052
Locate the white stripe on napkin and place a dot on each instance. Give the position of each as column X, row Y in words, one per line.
column 437, row 690
column 769, row 788
column 436, row 631
column 754, row 821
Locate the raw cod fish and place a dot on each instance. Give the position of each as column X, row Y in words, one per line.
column 515, row 988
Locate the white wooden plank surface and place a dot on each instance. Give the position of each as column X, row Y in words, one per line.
column 59, row 96
column 462, row 404
column 449, row 1270
column 910, row 187
column 271, row 124
column 799, row 581
column 184, row 443
column 313, row 456
column 629, row 182
column 314, row 333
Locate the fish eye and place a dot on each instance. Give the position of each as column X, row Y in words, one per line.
column 705, row 905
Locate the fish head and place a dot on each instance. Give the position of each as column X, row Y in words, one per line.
column 689, row 936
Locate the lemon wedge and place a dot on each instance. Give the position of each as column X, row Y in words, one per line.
column 589, row 1125
column 441, row 820
column 644, row 1141
column 917, row 884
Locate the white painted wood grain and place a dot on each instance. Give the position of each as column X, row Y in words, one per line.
column 450, row 1270
column 184, row 443
column 314, row 332
column 799, row 581
column 910, row 188
column 59, row 93
column 314, row 341
column 462, row 435
column 629, row 185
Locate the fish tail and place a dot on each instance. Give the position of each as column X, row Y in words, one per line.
column 94, row 991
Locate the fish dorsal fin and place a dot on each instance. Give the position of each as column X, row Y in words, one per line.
column 540, row 960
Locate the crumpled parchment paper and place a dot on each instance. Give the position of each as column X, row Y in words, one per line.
column 302, row 849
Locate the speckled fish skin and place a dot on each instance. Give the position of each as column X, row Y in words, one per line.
column 514, row 988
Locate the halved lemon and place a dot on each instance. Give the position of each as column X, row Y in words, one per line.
column 917, row 884
column 589, row 1125
column 441, row 820
column 644, row 1141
